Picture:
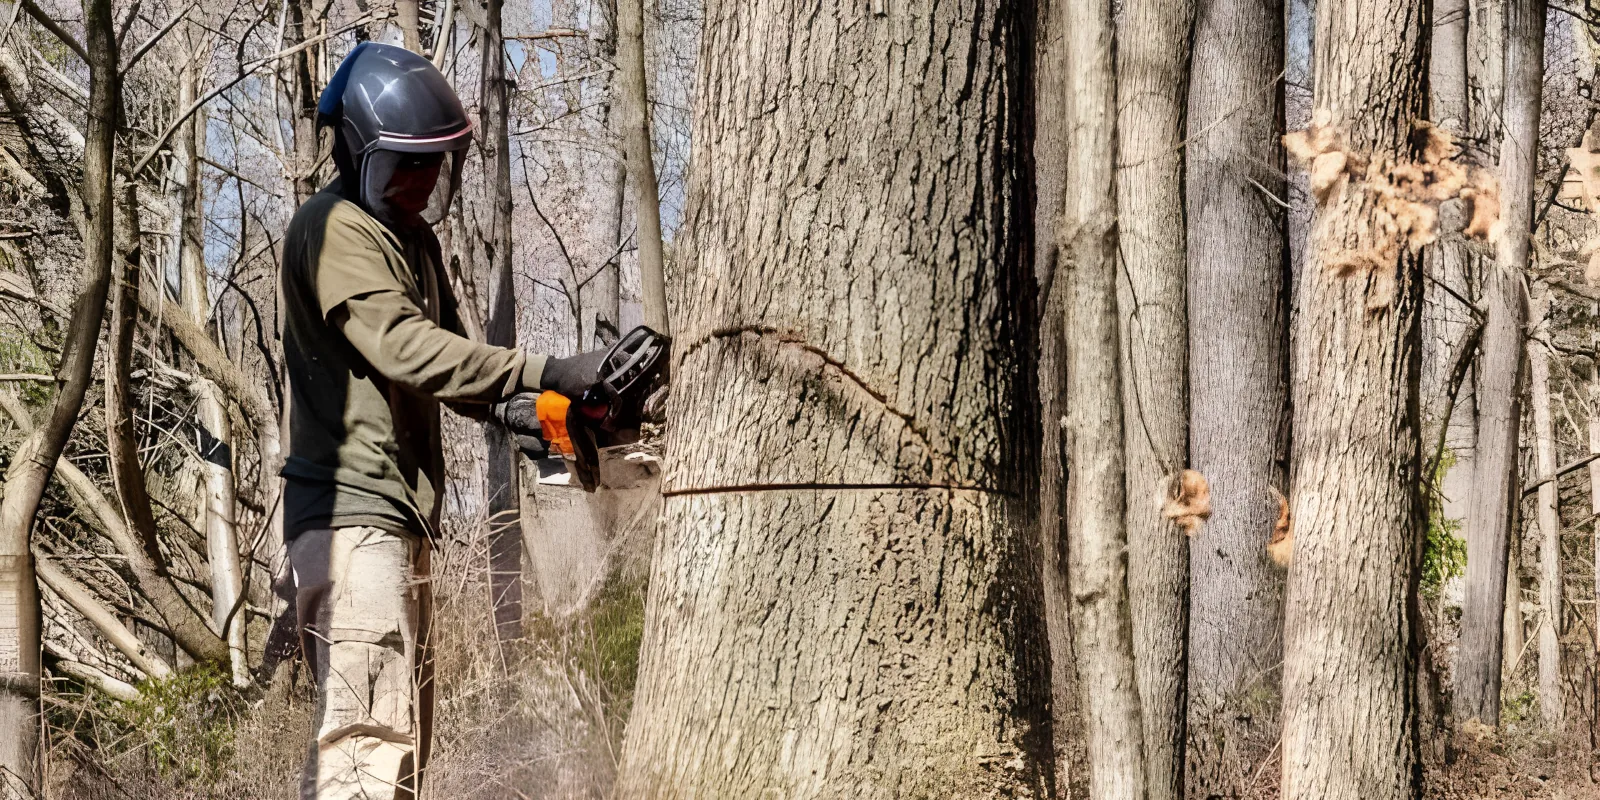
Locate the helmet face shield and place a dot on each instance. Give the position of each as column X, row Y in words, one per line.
column 408, row 187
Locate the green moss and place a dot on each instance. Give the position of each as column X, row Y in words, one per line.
column 1444, row 553
column 18, row 354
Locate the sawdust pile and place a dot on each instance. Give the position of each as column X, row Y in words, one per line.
column 1397, row 210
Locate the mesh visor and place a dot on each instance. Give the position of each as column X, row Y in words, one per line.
column 396, row 200
column 391, row 153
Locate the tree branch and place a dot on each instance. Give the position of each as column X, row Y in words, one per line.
column 244, row 72
column 56, row 30
column 157, row 37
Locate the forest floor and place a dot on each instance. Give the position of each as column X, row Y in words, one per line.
column 1516, row 765
column 540, row 716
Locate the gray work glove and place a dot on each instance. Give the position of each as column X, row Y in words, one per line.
column 573, row 375
column 520, row 416
column 519, row 413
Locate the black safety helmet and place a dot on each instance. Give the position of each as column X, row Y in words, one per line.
column 387, row 104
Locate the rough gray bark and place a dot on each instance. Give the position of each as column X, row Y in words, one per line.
column 1479, row 651
column 1239, row 362
column 1151, row 70
column 843, row 601
column 1551, row 707
column 1348, row 691
column 1097, row 551
column 35, row 459
column 641, row 160
column 501, row 479
column 1049, row 169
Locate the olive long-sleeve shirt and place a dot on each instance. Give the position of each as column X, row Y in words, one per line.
column 373, row 344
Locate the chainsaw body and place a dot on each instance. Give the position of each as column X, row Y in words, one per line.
column 610, row 412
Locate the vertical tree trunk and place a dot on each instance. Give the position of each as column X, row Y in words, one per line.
column 844, row 599
column 1551, row 707
column 1151, row 70
column 408, row 17
column 603, row 303
column 302, row 79
column 138, row 542
column 1097, row 562
column 1445, row 319
column 641, row 160
column 501, row 479
column 1239, row 360
column 211, row 407
column 1479, row 654
column 1349, row 711
column 35, row 459
column 1049, row 168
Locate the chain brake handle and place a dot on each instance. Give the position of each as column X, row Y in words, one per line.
column 629, row 373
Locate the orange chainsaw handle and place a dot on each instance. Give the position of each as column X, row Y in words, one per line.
column 552, row 409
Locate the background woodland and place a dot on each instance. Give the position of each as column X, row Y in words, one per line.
column 1160, row 399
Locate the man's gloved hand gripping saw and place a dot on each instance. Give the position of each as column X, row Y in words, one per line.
column 596, row 400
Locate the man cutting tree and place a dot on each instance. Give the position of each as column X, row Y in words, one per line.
column 374, row 345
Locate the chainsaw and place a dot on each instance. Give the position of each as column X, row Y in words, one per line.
column 608, row 414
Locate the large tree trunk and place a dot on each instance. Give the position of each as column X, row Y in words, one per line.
column 1049, row 168
column 1152, row 64
column 1097, row 557
column 1551, row 707
column 35, row 459
column 1490, row 512
column 1349, row 696
column 501, row 479
column 844, row 596
column 641, row 160
column 1239, row 361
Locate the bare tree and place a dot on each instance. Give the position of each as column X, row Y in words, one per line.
column 35, row 460
column 502, row 478
column 1097, row 559
column 1348, row 696
column 1239, row 360
column 1151, row 68
column 1049, row 160
column 641, row 160
column 826, row 526
column 1551, row 708
column 1479, row 654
